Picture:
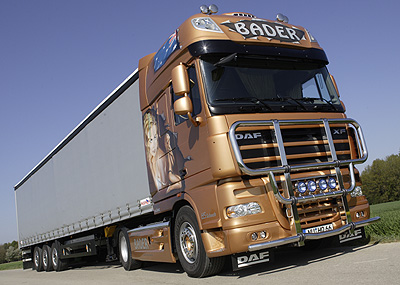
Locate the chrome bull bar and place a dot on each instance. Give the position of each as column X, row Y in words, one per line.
column 286, row 169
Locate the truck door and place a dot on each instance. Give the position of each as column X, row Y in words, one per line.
column 188, row 143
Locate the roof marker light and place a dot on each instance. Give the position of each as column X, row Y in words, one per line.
column 212, row 9
column 282, row 18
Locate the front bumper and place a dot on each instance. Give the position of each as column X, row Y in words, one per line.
column 308, row 236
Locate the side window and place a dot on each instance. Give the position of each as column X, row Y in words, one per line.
column 194, row 95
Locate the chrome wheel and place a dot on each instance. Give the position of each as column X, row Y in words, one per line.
column 54, row 257
column 123, row 248
column 188, row 242
column 37, row 259
column 45, row 258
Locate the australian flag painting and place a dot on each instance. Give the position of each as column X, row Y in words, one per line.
column 165, row 51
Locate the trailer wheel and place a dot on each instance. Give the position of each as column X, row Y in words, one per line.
column 190, row 248
column 125, row 253
column 46, row 258
column 55, row 254
column 37, row 259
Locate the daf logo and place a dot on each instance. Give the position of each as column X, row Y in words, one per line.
column 339, row 131
column 254, row 258
column 248, row 136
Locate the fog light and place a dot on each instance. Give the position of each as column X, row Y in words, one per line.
column 312, row 186
column 263, row 234
column 332, row 183
column 356, row 192
column 301, row 187
column 322, row 184
column 254, row 236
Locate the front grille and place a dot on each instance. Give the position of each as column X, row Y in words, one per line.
column 303, row 144
column 320, row 212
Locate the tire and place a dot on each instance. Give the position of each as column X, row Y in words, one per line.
column 125, row 253
column 37, row 259
column 190, row 248
column 55, row 260
column 46, row 258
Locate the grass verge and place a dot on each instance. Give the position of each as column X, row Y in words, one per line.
column 388, row 228
column 11, row 265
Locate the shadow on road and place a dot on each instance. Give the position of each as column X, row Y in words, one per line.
column 283, row 259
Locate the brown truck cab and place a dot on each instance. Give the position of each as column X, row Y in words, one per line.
column 248, row 146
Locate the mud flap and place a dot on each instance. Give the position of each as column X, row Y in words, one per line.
column 348, row 236
column 245, row 259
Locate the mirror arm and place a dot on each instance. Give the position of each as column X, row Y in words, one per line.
column 196, row 122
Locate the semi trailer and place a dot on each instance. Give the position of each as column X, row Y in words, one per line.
column 228, row 142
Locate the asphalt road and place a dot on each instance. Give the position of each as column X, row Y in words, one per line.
column 368, row 264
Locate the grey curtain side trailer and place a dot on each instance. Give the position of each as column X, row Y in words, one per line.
column 95, row 177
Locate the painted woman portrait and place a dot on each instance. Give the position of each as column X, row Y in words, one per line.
column 161, row 161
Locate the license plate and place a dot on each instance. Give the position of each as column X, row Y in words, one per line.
column 319, row 229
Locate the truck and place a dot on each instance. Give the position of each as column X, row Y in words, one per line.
column 226, row 144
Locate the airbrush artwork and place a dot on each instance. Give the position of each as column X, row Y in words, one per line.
column 164, row 159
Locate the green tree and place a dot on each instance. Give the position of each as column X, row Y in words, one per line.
column 381, row 180
column 2, row 253
column 13, row 254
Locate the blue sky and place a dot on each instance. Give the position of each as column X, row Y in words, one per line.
column 60, row 59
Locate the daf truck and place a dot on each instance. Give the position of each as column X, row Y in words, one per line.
column 229, row 141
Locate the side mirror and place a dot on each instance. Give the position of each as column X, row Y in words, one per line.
column 183, row 106
column 334, row 84
column 180, row 80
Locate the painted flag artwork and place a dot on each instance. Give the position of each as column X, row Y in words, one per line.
column 165, row 51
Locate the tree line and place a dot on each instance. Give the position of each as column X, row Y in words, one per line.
column 381, row 180
column 10, row 252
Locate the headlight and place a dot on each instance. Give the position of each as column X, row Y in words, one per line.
column 332, row 183
column 301, row 187
column 312, row 186
column 205, row 24
column 356, row 192
column 242, row 210
column 322, row 184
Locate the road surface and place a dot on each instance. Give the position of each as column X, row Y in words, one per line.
column 368, row 264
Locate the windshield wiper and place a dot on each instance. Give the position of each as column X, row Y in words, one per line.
column 254, row 100
column 286, row 99
column 226, row 59
column 310, row 99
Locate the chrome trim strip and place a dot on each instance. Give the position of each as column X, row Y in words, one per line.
column 303, row 237
column 150, row 227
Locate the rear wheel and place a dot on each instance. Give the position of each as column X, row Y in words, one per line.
column 46, row 258
column 55, row 257
column 37, row 259
column 190, row 248
column 125, row 253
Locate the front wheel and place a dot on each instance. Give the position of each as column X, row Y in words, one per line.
column 190, row 248
column 125, row 253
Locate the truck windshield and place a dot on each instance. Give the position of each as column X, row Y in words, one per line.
column 237, row 84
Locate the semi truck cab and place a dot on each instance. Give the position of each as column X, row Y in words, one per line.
column 255, row 138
